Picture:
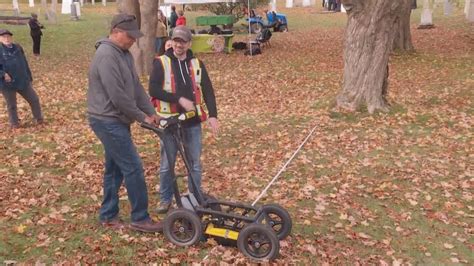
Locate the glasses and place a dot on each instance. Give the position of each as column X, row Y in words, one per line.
column 128, row 18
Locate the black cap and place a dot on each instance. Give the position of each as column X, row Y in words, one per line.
column 127, row 23
column 5, row 31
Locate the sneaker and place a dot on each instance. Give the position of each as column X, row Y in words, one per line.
column 163, row 207
column 114, row 224
column 147, row 226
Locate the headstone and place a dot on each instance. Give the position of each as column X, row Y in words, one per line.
column 31, row 3
column 73, row 11
column 426, row 15
column 82, row 2
column 78, row 9
column 306, row 2
column 104, row 2
column 273, row 5
column 93, row 2
column 470, row 11
column 343, row 9
column 448, row 7
column 16, row 8
column 289, row 4
column 466, row 6
column 66, row 7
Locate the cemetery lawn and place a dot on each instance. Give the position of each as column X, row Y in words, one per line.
column 388, row 188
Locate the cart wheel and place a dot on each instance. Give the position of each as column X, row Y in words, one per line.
column 258, row 242
column 256, row 28
column 182, row 227
column 277, row 218
column 283, row 28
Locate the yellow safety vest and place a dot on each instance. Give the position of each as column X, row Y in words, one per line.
column 166, row 109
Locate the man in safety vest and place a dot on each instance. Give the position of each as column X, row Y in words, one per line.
column 179, row 82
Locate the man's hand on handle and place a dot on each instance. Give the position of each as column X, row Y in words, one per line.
column 153, row 119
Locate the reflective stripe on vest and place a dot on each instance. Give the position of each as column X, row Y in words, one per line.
column 166, row 109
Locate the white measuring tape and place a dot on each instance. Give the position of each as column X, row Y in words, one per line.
column 284, row 166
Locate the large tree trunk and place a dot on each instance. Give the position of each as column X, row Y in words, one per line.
column 143, row 50
column 149, row 19
column 369, row 38
column 402, row 39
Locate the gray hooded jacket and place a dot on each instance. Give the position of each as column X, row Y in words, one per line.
column 115, row 92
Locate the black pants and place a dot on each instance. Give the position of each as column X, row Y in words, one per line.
column 36, row 44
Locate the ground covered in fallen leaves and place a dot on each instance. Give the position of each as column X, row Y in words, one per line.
column 388, row 188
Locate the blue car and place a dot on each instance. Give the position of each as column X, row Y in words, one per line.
column 277, row 21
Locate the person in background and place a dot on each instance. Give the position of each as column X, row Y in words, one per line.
column 36, row 33
column 179, row 82
column 173, row 18
column 181, row 19
column 15, row 77
column 161, row 33
column 116, row 99
column 168, row 44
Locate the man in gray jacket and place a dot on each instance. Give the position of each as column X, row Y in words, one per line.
column 115, row 100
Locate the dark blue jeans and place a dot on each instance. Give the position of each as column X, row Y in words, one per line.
column 192, row 142
column 121, row 162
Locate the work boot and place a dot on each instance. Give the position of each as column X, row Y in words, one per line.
column 147, row 226
column 114, row 224
column 163, row 207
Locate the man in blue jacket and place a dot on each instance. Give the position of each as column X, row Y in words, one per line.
column 15, row 77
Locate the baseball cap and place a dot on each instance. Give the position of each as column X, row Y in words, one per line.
column 127, row 23
column 5, row 31
column 183, row 33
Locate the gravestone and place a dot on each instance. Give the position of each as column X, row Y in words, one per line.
column 104, row 2
column 78, row 9
column 426, row 16
column 31, row 3
column 306, row 2
column 470, row 11
column 66, row 7
column 343, row 10
column 289, row 4
column 16, row 8
column 448, row 8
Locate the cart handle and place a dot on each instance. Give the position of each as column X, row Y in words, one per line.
column 152, row 128
column 169, row 121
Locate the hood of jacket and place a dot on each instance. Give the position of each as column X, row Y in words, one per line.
column 107, row 41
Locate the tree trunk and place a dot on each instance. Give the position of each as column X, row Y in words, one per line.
column 369, row 39
column 402, row 39
column 143, row 50
column 149, row 19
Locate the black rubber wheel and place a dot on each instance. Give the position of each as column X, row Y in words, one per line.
column 258, row 242
column 277, row 218
column 182, row 227
column 256, row 28
column 283, row 28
